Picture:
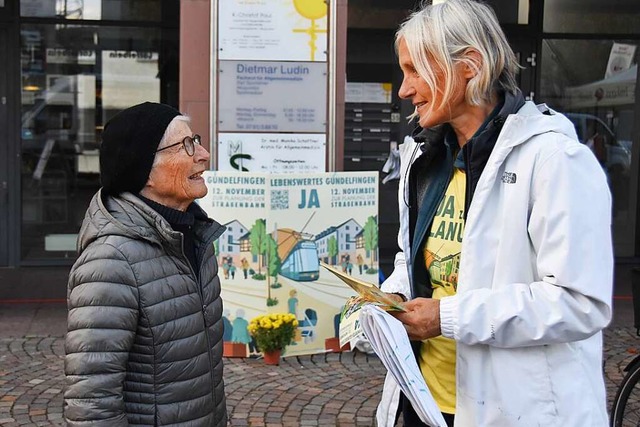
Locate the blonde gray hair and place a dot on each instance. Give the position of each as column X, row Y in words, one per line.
column 440, row 36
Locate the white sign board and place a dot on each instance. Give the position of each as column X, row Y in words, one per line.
column 60, row 242
column 128, row 78
column 619, row 89
column 40, row 8
column 70, row 56
column 272, row 30
column 620, row 59
column 378, row 93
column 272, row 96
column 271, row 153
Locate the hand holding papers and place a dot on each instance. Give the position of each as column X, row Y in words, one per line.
column 391, row 343
column 367, row 291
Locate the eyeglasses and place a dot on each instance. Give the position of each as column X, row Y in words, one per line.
column 189, row 143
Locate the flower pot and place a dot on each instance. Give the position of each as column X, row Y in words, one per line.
column 234, row 349
column 272, row 357
column 333, row 345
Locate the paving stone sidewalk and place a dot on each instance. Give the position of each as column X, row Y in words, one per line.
column 320, row 390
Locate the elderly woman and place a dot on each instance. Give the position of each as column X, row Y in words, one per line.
column 144, row 341
column 506, row 255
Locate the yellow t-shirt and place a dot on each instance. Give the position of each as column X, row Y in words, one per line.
column 442, row 258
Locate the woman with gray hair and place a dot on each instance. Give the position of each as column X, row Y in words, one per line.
column 145, row 328
column 507, row 279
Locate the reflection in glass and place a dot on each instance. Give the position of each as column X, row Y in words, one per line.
column 592, row 16
column 511, row 11
column 74, row 78
column 597, row 93
column 117, row 10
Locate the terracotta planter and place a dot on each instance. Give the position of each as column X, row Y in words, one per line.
column 234, row 349
column 272, row 357
column 333, row 345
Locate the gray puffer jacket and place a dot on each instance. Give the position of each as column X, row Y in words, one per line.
column 144, row 340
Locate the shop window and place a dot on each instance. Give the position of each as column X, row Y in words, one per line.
column 592, row 16
column 597, row 93
column 510, row 11
column 117, row 10
column 74, row 78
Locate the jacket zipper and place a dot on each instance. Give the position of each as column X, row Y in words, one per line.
column 467, row 187
column 204, row 309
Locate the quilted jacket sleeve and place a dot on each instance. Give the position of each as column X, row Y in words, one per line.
column 103, row 314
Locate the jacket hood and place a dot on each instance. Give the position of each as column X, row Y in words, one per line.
column 533, row 120
column 123, row 215
column 530, row 120
column 128, row 216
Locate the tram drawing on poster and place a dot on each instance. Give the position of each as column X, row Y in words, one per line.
column 279, row 228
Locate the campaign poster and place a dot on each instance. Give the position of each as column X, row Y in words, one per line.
column 239, row 202
column 274, row 244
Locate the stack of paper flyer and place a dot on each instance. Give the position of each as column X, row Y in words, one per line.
column 368, row 293
column 389, row 340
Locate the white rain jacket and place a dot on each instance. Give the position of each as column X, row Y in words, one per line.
column 535, row 282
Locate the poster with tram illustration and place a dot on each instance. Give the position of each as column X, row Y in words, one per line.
column 279, row 227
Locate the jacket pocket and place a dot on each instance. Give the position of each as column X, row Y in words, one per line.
column 505, row 387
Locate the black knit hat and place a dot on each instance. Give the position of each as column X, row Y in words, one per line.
column 129, row 141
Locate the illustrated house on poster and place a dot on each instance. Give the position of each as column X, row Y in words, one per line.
column 245, row 248
column 338, row 243
column 361, row 253
column 230, row 241
column 327, row 243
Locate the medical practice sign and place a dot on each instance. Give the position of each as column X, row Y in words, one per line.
column 271, row 152
column 273, row 96
column 272, row 86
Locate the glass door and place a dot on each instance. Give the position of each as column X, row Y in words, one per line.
column 525, row 50
column 4, row 151
column 602, row 106
column 74, row 78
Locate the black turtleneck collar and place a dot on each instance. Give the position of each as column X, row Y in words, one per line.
column 174, row 216
column 478, row 149
column 182, row 222
column 430, row 135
